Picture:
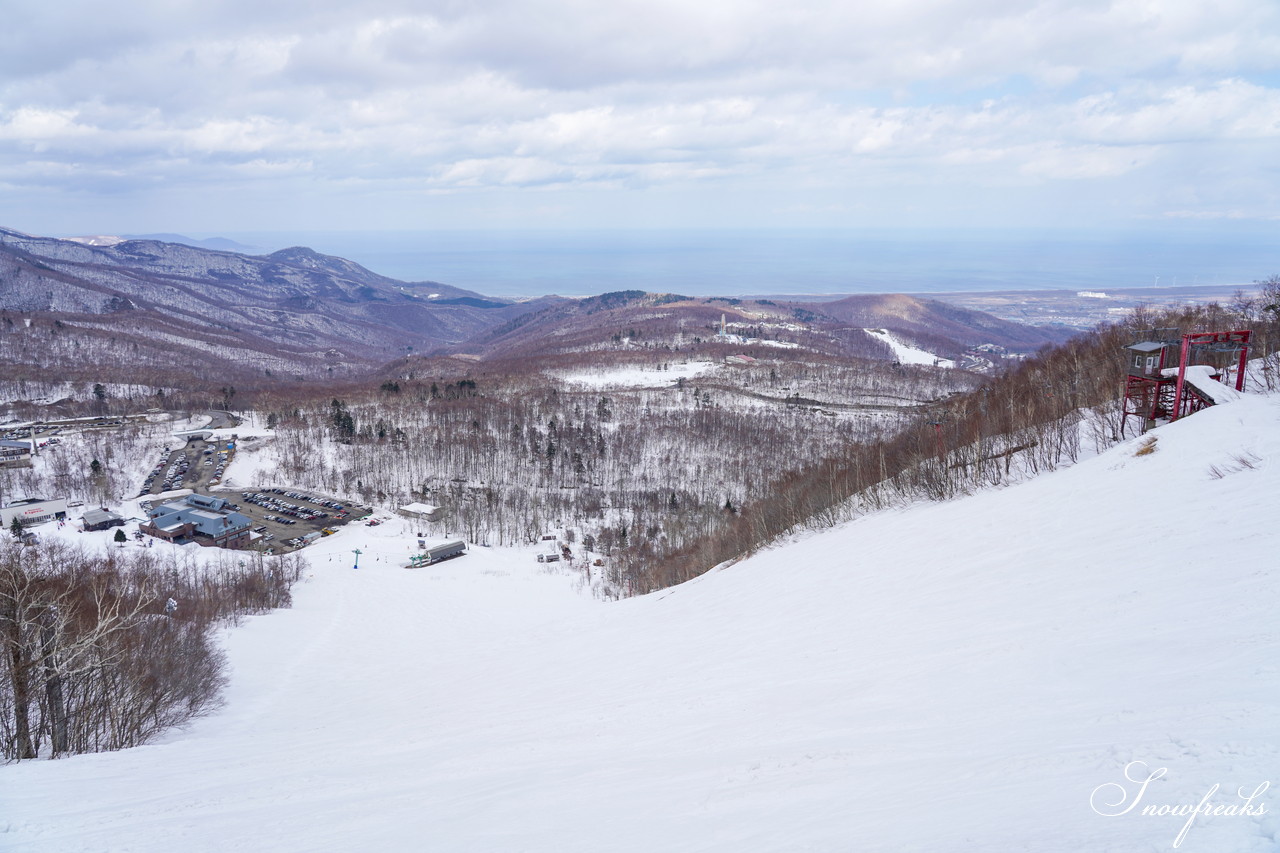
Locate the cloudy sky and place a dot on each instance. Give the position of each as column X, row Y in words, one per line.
column 281, row 115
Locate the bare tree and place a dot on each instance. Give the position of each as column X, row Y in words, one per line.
column 94, row 658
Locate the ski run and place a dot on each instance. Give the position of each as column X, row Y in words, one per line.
column 1061, row 665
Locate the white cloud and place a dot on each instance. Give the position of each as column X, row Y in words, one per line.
column 1082, row 161
column 731, row 96
column 37, row 125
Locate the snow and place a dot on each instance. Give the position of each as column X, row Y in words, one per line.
column 638, row 377
column 97, row 240
column 951, row 676
column 254, row 456
column 743, row 340
column 1200, row 376
column 907, row 354
column 53, row 392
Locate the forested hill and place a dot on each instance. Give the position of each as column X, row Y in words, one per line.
column 664, row 319
column 926, row 318
column 164, row 313
column 163, row 307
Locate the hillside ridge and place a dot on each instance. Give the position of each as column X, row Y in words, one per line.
column 297, row 311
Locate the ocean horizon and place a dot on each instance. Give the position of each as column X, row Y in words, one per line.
column 760, row 262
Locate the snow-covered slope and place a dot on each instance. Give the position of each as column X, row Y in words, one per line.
column 976, row 675
column 638, row 377
column 907, row 354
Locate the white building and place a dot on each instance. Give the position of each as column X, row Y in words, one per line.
column 422, row 512
column 33, row 511
column 14, row 451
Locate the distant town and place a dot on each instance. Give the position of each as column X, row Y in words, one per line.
column 1085, row 309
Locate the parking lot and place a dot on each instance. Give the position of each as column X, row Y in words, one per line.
column 196, row 465
column 280, row 517
column 283, row 518
column 47, row 429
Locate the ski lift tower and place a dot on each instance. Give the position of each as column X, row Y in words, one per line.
column 1156, row 385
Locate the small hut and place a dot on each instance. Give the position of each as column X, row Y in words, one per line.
column 1148, row 358
column 101, row 519
column 422, row 512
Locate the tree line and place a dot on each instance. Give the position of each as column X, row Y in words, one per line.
column 103, row 651
column 1042, row 414
column 514, row 454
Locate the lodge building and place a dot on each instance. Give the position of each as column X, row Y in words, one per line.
column 201, row 519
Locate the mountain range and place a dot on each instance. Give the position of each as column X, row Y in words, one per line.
column 220, row 244
column 171, row 308
column 153, row 302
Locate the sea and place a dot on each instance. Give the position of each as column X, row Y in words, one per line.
column 808, row 262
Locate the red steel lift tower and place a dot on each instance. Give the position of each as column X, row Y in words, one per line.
column 1153, row 390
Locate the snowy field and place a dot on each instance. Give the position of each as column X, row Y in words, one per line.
column 638, row 377
column 907, row 354
column 970, row 676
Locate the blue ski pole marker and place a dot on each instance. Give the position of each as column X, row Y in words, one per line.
column 357, row 552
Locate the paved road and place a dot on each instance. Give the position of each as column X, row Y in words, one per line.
column 222, row 420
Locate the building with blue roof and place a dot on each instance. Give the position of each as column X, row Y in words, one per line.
column 202, row 519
